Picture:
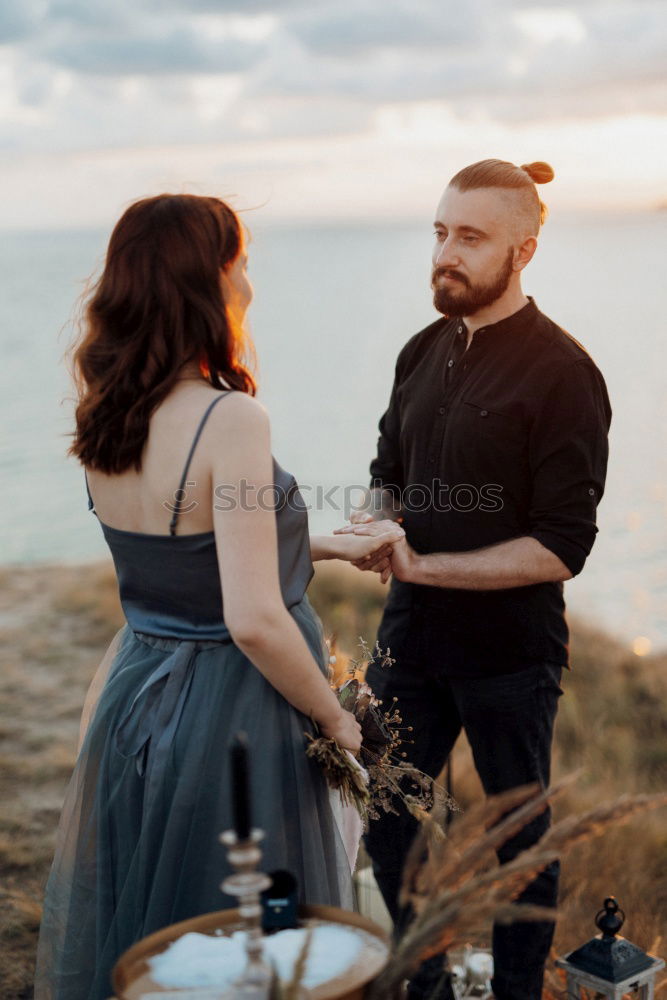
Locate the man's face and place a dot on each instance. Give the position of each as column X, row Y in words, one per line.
column 473, row 253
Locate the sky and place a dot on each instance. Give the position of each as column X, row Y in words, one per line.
column 337, row 109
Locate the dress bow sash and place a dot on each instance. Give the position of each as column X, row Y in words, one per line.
column 148, row 728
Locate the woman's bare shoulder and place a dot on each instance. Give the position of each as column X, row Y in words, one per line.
column 241, row 416
column 235, row 417
column 242, row 409
column 231, row 404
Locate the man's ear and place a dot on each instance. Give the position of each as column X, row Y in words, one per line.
column 523, row 254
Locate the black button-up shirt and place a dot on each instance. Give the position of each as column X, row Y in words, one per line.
column 505, row 439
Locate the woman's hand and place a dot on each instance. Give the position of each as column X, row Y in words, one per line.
column 358, row 548
column 346, row 732
column 401, row 559
column 371, row 528
column 364, row 552
column 378, row 561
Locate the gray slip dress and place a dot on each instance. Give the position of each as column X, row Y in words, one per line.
column 137, row 845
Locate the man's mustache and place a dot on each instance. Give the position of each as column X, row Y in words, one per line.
column 446, row 272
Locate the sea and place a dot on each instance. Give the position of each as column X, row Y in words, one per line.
column 334, row 303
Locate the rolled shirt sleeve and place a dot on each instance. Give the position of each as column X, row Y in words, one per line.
column 568, row 450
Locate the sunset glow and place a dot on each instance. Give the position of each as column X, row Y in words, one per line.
column 325, row 111
column 641, row 646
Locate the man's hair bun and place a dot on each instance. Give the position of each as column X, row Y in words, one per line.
column 539, row 172
column 501, row 174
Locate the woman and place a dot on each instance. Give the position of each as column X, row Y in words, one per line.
column 210, row 544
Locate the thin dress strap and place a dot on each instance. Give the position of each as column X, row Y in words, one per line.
column 179, row 496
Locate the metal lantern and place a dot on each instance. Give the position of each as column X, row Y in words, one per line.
column 608, row 964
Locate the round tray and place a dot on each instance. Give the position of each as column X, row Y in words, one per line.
column 131, row 974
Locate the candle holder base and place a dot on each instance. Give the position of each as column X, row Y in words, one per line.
column 247, row 884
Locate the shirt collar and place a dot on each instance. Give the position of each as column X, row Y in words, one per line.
column 513, row 324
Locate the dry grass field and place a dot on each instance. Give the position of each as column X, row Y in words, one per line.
column 56, row 622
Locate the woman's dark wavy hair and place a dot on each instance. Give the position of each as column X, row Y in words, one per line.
column 157, row 306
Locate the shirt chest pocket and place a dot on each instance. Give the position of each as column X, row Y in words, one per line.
column 489, row 436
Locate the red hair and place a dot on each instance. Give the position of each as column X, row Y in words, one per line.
column 502, row 174
column 157, row 306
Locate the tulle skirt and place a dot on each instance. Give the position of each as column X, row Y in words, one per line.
column 138, row 845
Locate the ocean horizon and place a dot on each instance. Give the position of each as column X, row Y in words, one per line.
column 334, row 303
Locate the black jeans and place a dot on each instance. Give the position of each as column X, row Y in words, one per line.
column 508, row 720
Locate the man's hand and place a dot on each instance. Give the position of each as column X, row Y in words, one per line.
column 380, row 505
column 518, row 562
column 379, row 562
column 364, row 549
column 358, row 517
column 402, row 561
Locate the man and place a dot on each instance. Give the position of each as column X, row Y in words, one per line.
column 494, row 450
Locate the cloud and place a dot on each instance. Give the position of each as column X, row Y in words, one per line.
column 171, row 51
column 348, row 28
column 17, row 21
column 79, row 14
column 243, row 7
column 85, row 73
column 382, row 76
column 619, row 43
column 522, row 59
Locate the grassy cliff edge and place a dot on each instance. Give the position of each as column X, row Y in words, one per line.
column 56, row 622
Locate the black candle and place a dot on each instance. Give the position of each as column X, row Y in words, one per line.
column 240, row 786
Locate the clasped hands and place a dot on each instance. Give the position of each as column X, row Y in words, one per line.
column 394, row 555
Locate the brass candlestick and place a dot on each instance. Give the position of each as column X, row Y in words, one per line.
column 246, row 884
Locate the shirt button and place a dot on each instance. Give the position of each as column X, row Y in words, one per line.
column 483, row 413
column 460, row 330
column 441, row 410
column 450, row 363
column 591, row 493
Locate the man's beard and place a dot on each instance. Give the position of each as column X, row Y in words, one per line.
column 469, row 299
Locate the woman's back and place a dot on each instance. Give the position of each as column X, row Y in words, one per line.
column 158, row 523
column 144, row 501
